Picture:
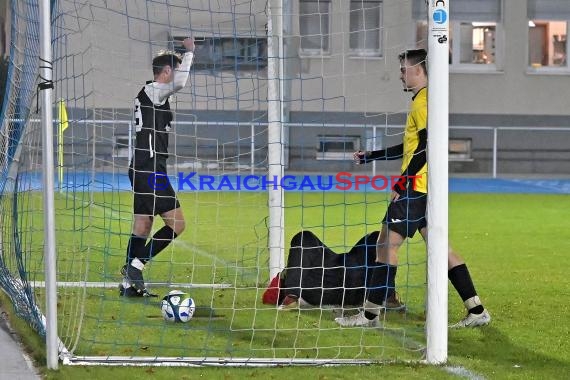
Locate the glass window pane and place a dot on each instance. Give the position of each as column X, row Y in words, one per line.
column 477, row 43
column 469, row 42
column 314, row 25
column 365, row 28
column 547, row 43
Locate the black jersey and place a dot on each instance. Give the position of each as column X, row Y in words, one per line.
column 153, row 117
column 152, row 124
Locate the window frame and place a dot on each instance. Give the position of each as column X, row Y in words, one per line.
column 365, row 52
column 308, row 53
column 463, row 14
column 324, row 151
column 456, row 65
column 214, row 53
column 553, row 70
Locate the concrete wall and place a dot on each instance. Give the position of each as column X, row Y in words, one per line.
column 222, row 140
column 105, row 58
column 516, row 89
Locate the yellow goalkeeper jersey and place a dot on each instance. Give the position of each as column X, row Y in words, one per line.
column 416, row 121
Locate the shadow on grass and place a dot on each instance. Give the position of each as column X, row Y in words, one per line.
column 312, row 333
column 498, row 352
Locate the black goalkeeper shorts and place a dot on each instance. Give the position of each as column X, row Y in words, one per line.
column 407, row 214
column 153, row 193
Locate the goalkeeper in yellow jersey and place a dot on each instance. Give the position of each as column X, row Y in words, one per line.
column 406, row 212
column 153, row 193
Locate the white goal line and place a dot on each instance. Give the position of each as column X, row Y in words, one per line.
column 88, row 284
column 208, row 361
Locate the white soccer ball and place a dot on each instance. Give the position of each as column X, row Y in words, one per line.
column 176, row 307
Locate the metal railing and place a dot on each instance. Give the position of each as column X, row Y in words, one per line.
column 494, row 130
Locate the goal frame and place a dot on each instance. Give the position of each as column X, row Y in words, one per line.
column 438, row 101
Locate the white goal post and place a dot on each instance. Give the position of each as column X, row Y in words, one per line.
column 278, row 88
column 437, row 208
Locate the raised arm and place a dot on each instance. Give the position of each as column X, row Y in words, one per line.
column 181, row 74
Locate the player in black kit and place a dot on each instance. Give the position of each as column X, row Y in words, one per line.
column 153, row 194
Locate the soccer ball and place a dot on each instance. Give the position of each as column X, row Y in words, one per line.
column 175, row 307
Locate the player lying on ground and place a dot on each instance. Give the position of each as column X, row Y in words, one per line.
column 317, row 276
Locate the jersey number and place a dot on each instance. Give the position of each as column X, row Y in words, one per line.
column 138, row 115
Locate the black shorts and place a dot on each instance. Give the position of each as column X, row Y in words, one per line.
column 153, row 193
column 407, row 214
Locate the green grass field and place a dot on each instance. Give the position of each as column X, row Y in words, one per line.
column 515, row 247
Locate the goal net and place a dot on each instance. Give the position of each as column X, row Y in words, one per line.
column 279, row 96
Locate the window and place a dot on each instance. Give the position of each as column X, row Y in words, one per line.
column 547, row 43
column 476, row 43
column 314, row 24
column 365, row 28
column 227, row 53
column 473, row 33
column 336, row 147
column 122, row 146
column 460, row 149
column 548, row 34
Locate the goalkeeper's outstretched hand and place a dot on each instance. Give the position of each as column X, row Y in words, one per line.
column 188, row 44
column 360, row 157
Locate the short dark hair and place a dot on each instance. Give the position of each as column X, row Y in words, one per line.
column 415, row 57
column 160, row 61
